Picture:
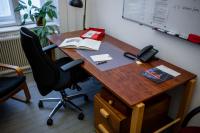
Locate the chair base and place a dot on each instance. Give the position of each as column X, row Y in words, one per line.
column 63, row 102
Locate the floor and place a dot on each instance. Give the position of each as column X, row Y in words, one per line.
column 18, row 117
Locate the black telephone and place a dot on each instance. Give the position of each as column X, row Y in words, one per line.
column 144, row 55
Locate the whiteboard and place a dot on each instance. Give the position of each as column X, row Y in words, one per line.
column 180, row 17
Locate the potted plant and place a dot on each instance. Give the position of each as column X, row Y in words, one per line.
column 38, row 16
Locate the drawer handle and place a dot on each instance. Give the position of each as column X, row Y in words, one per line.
column 104, row 113
column 110, row 102
column 102, row 128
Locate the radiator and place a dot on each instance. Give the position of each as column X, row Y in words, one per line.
column 11, row 51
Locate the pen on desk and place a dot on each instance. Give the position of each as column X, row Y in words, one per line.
column 101, row 62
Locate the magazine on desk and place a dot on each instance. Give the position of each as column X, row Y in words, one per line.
column 79, row 43
column 160, row 74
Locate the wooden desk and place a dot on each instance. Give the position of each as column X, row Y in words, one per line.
column 129, row 86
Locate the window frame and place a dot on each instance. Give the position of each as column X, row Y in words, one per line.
column 9, row 21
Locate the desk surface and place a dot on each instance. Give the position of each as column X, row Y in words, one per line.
column 126, row 81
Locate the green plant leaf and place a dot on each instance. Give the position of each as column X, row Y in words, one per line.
column 17, row 9
column 43, row 33
column 22, row 2
column 23, row 23
column 48, row 3
column 44, row 21
column 39, row 32
column 32, row 18
column 25, row 16
column 52, row 6
column 35, row 8
column 30, row 13
column 29, row 2
column 20, row 7
column 50, row 14
column 54, row 14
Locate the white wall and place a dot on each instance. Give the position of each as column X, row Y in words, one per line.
column 108, row 14
column 70, row 17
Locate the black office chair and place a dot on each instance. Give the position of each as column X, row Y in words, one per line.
column 190, row 129
column 59, row 75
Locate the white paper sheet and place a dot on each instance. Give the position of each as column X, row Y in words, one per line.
column 168, row 70
column 101, row 57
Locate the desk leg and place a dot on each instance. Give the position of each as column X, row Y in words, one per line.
column 185, row 102
column 137, row 118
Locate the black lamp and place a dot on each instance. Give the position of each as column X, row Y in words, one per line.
column 79, row 4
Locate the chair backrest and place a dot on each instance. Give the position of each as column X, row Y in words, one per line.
column 45, row 72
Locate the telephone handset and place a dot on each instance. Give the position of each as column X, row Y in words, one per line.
column 147, row 53
column 144, row 55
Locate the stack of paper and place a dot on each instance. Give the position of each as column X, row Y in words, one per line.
column 90, row 33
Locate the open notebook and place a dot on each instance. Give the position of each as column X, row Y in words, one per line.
column 80, row 43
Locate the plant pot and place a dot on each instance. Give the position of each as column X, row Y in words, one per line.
column 39, row 21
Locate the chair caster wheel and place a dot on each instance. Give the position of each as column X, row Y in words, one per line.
column 49, row 122
column 86, row 98
column 40, row 104
column 81, row 116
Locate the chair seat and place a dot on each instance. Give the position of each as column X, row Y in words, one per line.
column 190, row 130
column 9, row 84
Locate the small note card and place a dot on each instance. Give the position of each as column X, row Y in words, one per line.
column 101, row 57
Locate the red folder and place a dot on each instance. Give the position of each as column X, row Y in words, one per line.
column 99, row 36
column 194, row 38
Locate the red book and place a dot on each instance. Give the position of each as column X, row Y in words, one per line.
column 94, row 33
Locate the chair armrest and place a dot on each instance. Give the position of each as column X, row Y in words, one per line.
column 49, row 47
column 190, row 115
column 16, row 68
column 72, row 64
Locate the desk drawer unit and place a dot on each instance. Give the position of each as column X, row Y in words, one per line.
column 107, row 119
column 155, row 113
